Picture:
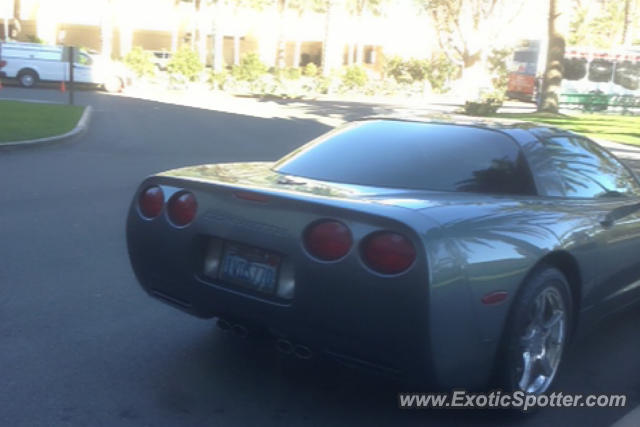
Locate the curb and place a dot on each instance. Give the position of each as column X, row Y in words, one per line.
column 81, row 126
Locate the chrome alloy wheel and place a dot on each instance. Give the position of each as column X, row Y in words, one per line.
column 542, row 342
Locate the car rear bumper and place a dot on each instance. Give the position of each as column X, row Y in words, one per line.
column 341, row 309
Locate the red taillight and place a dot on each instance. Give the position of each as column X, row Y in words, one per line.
column 182, row 208
column 3, row 63
column 328, row 240
column 151, row 202
column 388, row 253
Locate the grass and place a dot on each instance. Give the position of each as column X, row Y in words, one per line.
column 623, row 129
column 20, row 121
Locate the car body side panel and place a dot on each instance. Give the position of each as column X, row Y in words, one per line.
column 483, row 248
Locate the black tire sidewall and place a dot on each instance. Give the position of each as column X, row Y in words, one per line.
column 511, row 355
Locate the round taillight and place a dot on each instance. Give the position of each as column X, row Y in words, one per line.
column 328, row 240
column 151, row 201
column 388, row 253
column 182, row 208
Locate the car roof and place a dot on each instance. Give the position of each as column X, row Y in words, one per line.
column 513, row 128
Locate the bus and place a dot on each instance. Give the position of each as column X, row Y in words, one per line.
column 586, row 71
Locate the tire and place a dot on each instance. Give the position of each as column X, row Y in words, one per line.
column 113, row 85
column 27, row 78
column 537, row 333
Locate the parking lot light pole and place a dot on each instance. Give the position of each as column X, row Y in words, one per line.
column 71, row 85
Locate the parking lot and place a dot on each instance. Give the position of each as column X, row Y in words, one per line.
column 83, row 345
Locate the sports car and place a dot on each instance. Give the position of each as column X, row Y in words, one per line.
column 449, row 252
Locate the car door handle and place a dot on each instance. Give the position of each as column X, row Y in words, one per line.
column 607, row 221
column 610, row 218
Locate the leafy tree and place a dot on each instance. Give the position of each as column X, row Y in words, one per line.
column 466, row 27
column 497, row 64
column 603, row 24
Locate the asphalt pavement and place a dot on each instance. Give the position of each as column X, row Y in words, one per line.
column 82, row 345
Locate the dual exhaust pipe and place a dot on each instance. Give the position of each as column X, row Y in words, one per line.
column 236, row 328
column 283, row 345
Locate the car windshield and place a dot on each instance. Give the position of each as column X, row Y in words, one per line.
column 413, row 155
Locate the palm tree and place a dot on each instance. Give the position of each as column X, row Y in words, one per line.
column 554, row 69
column 106, row 29
column 218, row 36
column 331, row 51
column 357, row 8
column 282, row 42
column 303, row 7
column 175, row 25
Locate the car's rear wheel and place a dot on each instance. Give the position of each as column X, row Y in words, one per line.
column 27, row 78
column 537, row 332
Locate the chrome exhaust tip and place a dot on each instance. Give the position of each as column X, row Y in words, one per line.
column 284, row 346
column 302, row 352
column 224, row 325
column 240, row 330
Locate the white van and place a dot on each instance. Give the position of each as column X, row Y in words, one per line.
column 32, row 62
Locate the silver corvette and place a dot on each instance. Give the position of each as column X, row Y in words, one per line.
column 458, row 254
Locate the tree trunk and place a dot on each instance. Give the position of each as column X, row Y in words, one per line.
column 217, row 53
column 297, row 53
column 236, row 49
column 194, row 24
column 126, row 40
column 359, row 53
column 552, row 80
column 350, row 53
column 175, row 27
column 331, row 52
column 359, row 42
column 626, row 30
column 106, row 31
column 202, row 33
column 282, row 43
column 174, row 38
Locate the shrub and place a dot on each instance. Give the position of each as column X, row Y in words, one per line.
column 354, row 77
column 218, row 80
column 310, row 70
column 140, row 62
column 35, row 39
column 438, row 71
column 185, row 62
column 484, row 107
column 249, row 69
column 293, row 73
column 398, row 69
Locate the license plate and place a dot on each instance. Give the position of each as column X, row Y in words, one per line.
column 250, row 267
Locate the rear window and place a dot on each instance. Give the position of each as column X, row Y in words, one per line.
column 421, row 156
